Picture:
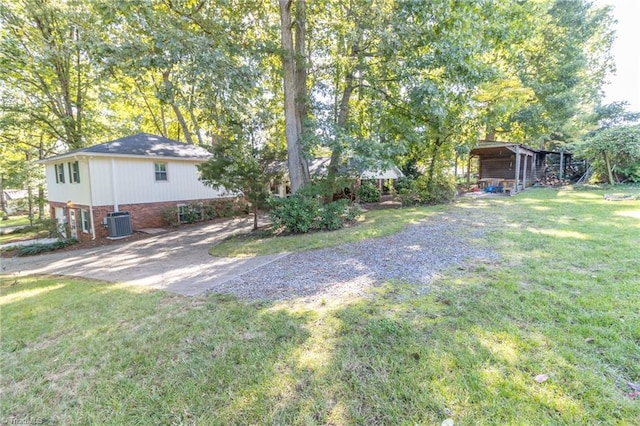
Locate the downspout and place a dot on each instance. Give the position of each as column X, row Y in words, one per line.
column 114, row 187
column 93, row 224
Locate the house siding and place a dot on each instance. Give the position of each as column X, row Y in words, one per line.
column 134, row 182
column 68, row 191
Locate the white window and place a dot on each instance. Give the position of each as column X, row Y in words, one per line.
column 161, row 171
column 86, row 221
column 59, row 172
column 74, row 172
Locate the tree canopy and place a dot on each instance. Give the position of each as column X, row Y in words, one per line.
column 413, row 82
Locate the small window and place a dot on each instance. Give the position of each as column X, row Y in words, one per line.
column 59, row 173
column 74, row 172
column 161, row 171
column 182, row 213
column 86, row 221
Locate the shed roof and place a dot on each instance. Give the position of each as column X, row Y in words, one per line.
column 140, row 145
column 500, row 149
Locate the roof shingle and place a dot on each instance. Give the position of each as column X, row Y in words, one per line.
column 146, row 145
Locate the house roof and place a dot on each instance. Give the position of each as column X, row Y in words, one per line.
column 140, row 145
column 319, row 166
column 15, row 194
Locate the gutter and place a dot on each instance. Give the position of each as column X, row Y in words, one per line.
column 93, row 224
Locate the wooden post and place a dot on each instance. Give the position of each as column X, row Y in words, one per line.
column 524, row 171
column 517, row 168
column 561, row 175
column 534, row 175
column 469, row 170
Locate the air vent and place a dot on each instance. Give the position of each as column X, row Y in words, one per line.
column 119, row 224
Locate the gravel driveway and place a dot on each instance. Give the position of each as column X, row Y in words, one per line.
column 416, row 255
column 179, row 261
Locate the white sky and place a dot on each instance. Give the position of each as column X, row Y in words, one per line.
column 625, row 84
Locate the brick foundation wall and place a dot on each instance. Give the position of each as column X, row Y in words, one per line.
column 145, row 215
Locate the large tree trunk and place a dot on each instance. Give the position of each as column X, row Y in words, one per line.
column 194, row 120
column 298, row 167
column 490, row 134
column 183, row 123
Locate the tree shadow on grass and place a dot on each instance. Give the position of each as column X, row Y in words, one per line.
column 95, row 353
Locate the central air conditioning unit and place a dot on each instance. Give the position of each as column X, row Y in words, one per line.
column 119, row 224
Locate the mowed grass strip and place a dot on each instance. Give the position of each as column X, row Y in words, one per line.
column 560, row 298
column 372, row 224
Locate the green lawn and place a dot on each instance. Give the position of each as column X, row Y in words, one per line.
column 561, row 298
column 371, row 225
column 15, row 221
column 18, row 236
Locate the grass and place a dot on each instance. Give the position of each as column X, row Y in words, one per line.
column 373, row 224
column 20, row 234
column 15, row 221
column 29, row 235
column 560, row 298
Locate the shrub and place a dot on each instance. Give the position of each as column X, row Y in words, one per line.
column 170, row 216
column 420, row 191
column 441, row 190
column 368, row 192
column 297, row 214
column 50, row 225
column 332, row 215
column 209, row 211
column 192, row 213
column 34, row 249
column 300, row 214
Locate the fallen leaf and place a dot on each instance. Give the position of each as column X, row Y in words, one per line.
column 589, row 340
column 633, row 395
column 541, row 378
column 634, row 386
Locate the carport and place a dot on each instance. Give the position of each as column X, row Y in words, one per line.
column 510, row 165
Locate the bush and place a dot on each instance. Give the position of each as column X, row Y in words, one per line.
column 332, row 215
column 297, row 214
column 300, row 214
column 34, row 249
column 169, row 216
column 368, row 192
column 50, row 225
column 420, row 191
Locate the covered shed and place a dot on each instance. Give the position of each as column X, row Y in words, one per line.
column 509, row 165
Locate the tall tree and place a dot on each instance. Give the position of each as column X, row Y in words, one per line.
column 295, row 93
column 45, row 55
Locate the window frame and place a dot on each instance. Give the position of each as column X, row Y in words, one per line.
column 84, row 216
column 59, row 171
column 74, row 172
column 160, row 170
column 182, row 212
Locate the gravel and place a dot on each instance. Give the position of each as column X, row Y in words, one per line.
column 417, row 255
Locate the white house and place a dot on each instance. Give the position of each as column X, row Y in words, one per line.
column 93, row 188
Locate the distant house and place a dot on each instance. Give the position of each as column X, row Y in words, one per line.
column 320, row 165
column 15, row 201
column 93, row 189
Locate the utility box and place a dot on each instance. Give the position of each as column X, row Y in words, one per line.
column 119, row 224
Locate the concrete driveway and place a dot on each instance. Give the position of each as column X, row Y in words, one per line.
column 176, row 261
